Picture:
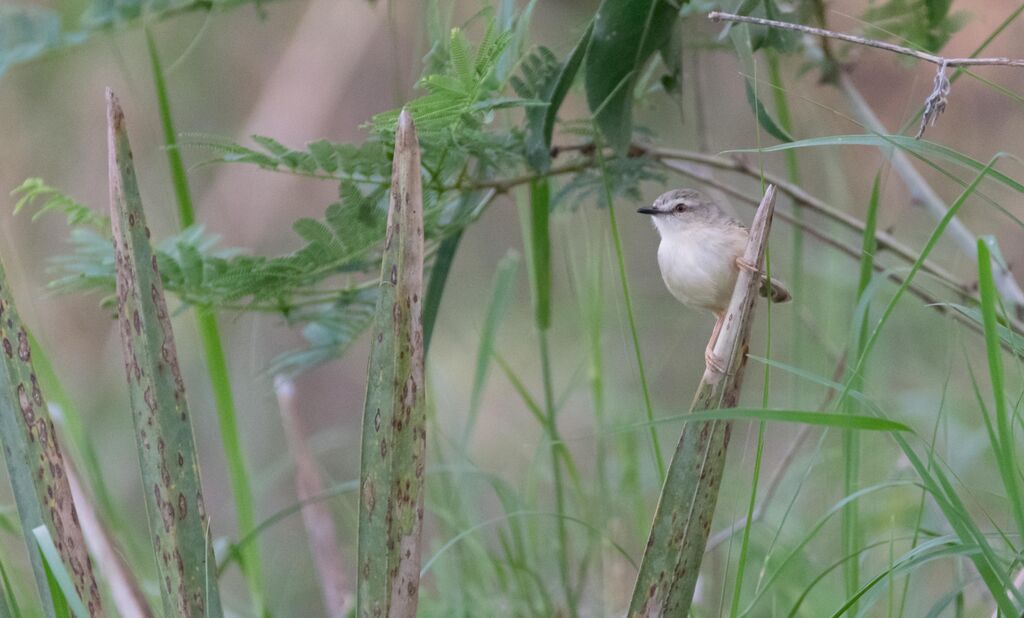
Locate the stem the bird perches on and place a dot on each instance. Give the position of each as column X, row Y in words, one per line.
column 163, row 428
column 675, row 548
column 394, row 416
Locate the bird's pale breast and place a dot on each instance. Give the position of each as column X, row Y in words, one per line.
column 698, row 264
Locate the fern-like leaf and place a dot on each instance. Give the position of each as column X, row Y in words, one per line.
column 34, row 191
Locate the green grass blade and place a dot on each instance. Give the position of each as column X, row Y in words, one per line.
column 34, row 460
column 213, row 350
column 164, row 438
column 991, row 569
column 9, row 607
column 61, row 583
column 435, row 285
column 856, row 422
column 1005, row 447
column 851, row 531
column 540, row 278
column 540, row 251
column 394, row 416
column 918, row 147
column 627, row 298
column 501, row 297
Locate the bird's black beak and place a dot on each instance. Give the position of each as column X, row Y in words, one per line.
column 648, row 211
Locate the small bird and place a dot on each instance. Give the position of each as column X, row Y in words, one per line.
column 700, row 256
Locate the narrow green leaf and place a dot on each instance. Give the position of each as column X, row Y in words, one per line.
column 65, row 587
column 1008, row 336
column 394, row 416
column 625, row 34
column 803, row 417
column 164, row 437
column 540, row 123
column 869, row 245
column 35, row 463
column 1005, row 448
column 744, row 53
column 209, row 336
column 763, row 117
column 564, row 82
column 436, row 284
column 920, row 147
column 540, row 249
column 9, row 607
column 501, row 295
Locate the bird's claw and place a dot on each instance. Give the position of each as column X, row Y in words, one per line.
column 714, row 363
column 743, row 264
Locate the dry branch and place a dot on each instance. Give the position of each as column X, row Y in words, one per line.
column 316, row 515
column 124, row 589
column 859, row 40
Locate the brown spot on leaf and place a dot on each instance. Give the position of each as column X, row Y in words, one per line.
column 24, row 352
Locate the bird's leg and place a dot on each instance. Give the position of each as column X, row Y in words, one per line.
column 712, row 361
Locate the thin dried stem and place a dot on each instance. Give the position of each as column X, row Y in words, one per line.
column 323, row 539
column 124, row 589
column 859, row 40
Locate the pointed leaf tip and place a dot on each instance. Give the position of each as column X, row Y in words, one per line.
column 406, row 133
column 115, row 115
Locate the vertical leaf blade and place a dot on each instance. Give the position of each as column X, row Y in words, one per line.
column 35, row 462
column 163, row 428
column 1005, row 449
column 394, row 416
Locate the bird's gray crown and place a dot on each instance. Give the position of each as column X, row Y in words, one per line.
column 687, row 205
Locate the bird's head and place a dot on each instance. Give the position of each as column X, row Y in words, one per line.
column 680, row 208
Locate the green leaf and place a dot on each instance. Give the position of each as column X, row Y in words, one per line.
column 924, row 24
column 65, row 590
column 540, row 249
column 740, row 38
column 179, row 528
column 501, row 295
column 919, row 147
column 1008, row 336
column 325, row 154
column 803, row 417
column 34, row 460
column 34, row 190
column 392, row 471
column 763, row 117
column 9, row 607
column 625, row 34
column 550, row 83
column 1005, row 449
column 26, row 32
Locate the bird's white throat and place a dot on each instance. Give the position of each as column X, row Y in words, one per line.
column 698, row 261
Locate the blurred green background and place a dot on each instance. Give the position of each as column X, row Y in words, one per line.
column 300, row 71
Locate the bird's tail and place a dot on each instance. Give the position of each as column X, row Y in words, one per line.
column 774, row 290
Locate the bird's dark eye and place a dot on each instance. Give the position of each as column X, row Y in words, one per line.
column 680, row 208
